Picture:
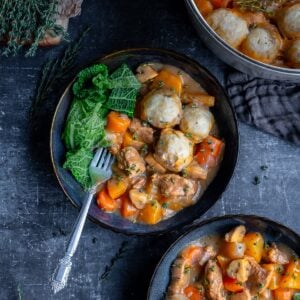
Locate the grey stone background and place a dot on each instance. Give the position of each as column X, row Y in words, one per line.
column 36, row 217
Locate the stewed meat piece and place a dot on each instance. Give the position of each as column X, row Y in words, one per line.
column 276, row 256
column 244, row 295
column 208, row 253
column 180, row 276
column 145, row 72
column 143, row 132
column 214, row 281
column 130, row 160
column 172, row 185
column 259, row 278
column 115, row 140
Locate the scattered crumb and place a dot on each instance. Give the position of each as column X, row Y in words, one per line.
column 256, row 180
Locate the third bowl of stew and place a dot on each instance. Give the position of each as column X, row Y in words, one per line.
column 170, row 126
column 231, row 258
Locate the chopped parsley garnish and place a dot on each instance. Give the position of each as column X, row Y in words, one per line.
column 164, row 205
column 188, row 135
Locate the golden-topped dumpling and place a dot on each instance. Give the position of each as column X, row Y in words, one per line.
column 162, row 108
column 197, row 121
column 288, row 21
column 263, row 43
column 229, row 25
column 174, row 150
column 293, row 54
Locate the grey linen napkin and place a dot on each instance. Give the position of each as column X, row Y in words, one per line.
column 271, row 106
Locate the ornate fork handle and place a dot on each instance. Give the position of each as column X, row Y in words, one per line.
column 61, row 273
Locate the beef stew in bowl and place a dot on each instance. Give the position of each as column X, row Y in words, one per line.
column 222, row 111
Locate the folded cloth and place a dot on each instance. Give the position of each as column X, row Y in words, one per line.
column 272, row 106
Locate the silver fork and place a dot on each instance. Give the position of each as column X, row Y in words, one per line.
column 100, row 171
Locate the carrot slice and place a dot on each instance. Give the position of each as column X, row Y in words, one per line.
column 220, row 3
column 105, row 202
column 209, row 151
column 117, row 122
column 291, row 278
column 117, row 187
column 204, row 6
column 151, row 213
column 283, row 294
column 192, row 253
column 169, row 80
column 232, row 285
column 193, row 293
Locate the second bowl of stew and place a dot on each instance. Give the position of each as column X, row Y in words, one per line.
column 170, row 126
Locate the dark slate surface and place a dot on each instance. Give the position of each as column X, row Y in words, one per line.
column 35, row 216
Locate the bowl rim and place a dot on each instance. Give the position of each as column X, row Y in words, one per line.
column 120, row 52
column 212, row 220
column 233, row 51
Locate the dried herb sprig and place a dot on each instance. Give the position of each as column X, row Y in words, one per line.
column 116, row 257
column 27, row 22
column 266, row 6
column 56, row 70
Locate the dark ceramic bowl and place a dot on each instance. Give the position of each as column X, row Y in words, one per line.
column 223, row 112
column 272, row 232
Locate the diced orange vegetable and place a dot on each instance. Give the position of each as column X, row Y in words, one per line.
column 220, row 3
column 254, row 242
column 127, row 210
column 169, row 80
column 209, row 151
column 130, row 140
column 232, row 285
column 117, row 187
column 151, row 213
column 105, row 202
column 276, row 270
column 283, row 294
column 192, row 253
column 291, row 278
column 176, row 206
column 117, row 122
column 204, row 6
column 193, row 293
column 223, row 262
column 233, row 250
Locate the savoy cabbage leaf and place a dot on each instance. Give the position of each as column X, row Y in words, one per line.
column 122, row 100
column 78, row 163
column 96, row 94
column 123, row 78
